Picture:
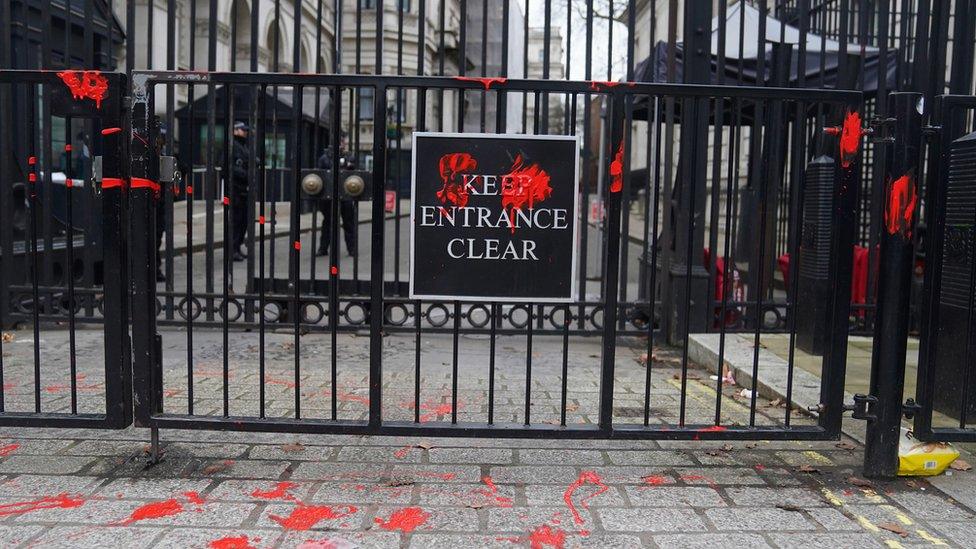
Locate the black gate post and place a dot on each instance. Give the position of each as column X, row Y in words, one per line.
column 896, row 262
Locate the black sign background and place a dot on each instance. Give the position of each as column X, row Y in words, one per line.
column 436, row 274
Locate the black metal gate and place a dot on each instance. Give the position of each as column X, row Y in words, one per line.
column 314, row 312
column 946, row 400
column 62, row 237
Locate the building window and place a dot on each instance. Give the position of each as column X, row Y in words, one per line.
column 366, row 103
column 404, row 5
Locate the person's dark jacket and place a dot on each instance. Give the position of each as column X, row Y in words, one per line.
column 240, row 163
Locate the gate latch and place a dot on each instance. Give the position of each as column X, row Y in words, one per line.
column 860, row 407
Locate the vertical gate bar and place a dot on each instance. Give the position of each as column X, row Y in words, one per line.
column 765, row 181
column 334, row 256
column 115, row 298
column 491, row 362
column 456, row 334
column 587, row 153
column 70, row 262
column 416, row 374
column 528, row 363
column 6, row 197
column 255, row 168
column 654, row 204
column 963, row 36
column 262, row 182
column 230, row 246
column 796, row 215
column 567, row 320
column 377, row 259
column 144, row 164
column 295, row 250
column 45, row 180
column 212, row 183
column 897, row 262
column 35, row 295
column 844, row 222
column 189, row 159
column 728, row 285
column 611, row 261
column 169, row 209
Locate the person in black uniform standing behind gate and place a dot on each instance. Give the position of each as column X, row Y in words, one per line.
column 347, row 208
column 239, row 190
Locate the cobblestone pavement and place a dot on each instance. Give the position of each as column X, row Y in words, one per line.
column 83, row 488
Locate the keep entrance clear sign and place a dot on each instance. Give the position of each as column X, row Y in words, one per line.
column 494, row 217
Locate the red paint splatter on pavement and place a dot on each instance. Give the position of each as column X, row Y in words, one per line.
column 523, row 186
column 402, row 452
column 304, row 517
column 86, row 85
column 433, row 409
column 343, row 396
column 545, row 536
column 280, row 491
column 900, row 206
column 60, row 501
column 585, row 477
column 194, row 498
column 229, row 542
column 654, row 480
column 8, row 449
column 277, row 381
column 405, row 520
column 617, row 170
column 452, row 167
column 760, row 467
column 691, row 478
column 155, row 510
column 850, row 138
column 486, row 82
column 492, row 492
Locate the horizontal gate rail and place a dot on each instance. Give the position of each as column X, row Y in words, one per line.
column 764, row 110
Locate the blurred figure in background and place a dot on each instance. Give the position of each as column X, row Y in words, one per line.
column 239, row 189
column 347, row 207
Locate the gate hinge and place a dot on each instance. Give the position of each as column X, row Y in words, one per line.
column 910, row 408
column 860, row 407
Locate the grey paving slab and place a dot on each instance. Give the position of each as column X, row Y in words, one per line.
column 824, row 541
column 762, row 519
column 640, row 520
column 72, row 537
column 710, row 541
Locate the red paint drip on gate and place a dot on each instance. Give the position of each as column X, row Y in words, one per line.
column 86, row 85
column 850, row 138
column 523, row 186
column 900, row 206
column 486, row 82
column 452, row 167
column 617, row 170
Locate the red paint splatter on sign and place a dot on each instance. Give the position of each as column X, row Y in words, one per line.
column 405, row 520
column 280, row 491
column 155, row 510
column 617, row 170
column 60, row 501
column 900, row 206
column 230, row 542
column 86, row 85
column 545, row 536
column 850, row 138
column 585, row 477
column 304, row 517
column 523, row 186
column 486, row 82
column 8, row 449
column 452, row 168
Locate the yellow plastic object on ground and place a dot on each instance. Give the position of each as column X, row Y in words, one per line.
column 922, row 459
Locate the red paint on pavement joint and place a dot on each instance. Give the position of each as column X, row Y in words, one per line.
column 546, row 536
column 8, row 449
column 149, row 511
column 280, row 491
